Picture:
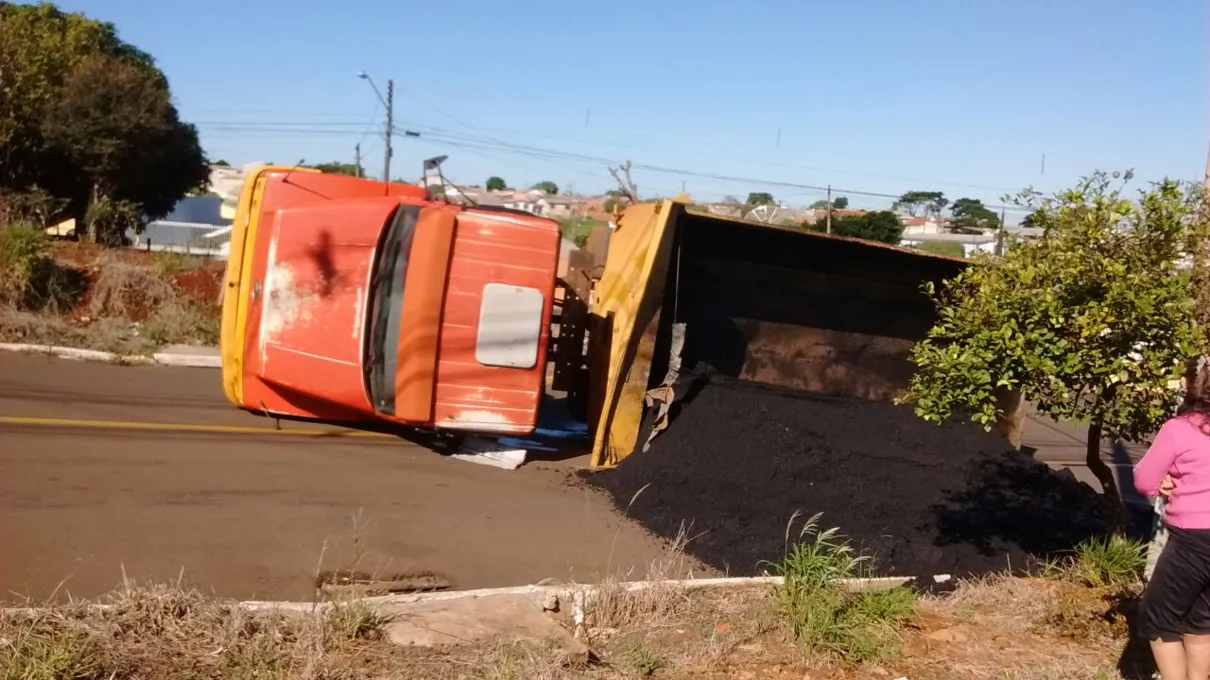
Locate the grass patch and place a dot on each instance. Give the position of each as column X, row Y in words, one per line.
column 644, row 659
column 825, row 616
column 948, row 248
column 1113, row 561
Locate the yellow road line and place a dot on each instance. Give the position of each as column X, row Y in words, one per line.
column 181, row 427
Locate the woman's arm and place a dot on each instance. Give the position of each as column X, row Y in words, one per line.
column 1149, row 473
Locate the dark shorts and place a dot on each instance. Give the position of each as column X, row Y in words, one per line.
column 1177, row 599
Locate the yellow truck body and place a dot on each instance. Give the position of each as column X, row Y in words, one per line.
column 781, row 306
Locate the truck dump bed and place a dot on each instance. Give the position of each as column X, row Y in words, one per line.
column 683, row 291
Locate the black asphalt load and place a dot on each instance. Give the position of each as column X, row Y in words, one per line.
column 739, row 460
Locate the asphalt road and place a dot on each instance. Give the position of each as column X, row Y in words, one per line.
column 250, row 513
column 221, row 498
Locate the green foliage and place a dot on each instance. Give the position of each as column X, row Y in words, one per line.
column 614, row 205
column 882, row 226
column 577, row 229
column 1107, row 561
column 942, row 248
column 1092, row 321
column 85, row 115
column 495, row 184
column 547, row 186
column 760, row 198
column 969, row 214
column 29, row 276
column 31, row 206
column 338, row 168
column 838, row 203
column 926, row 202
column 822, row 613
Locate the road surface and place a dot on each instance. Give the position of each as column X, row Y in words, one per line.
column 157, row 476
column 249, row 513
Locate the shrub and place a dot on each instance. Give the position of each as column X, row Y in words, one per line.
column 29, row 277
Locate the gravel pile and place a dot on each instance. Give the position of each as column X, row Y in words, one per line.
column 740, row 459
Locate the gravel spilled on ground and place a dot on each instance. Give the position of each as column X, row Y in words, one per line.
column 739, row 460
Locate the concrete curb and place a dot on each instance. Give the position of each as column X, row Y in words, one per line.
column 540, row 594
column 566, row 592
column 158, row 359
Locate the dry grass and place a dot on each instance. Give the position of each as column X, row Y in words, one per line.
column 994, row 628
column 130, row 309
column 618, row 604
column 165, row 631
column 1002, row 627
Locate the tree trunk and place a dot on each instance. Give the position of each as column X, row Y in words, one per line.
column 1010, row 415
column 1104, row 474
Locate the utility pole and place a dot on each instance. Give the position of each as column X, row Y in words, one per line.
column 829, row 208
column 357, row 156
column 386, row 161
column 1000, row 235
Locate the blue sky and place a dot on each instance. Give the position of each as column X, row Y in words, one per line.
column 963, row 96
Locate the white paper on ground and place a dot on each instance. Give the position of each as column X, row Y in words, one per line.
column 488, row 452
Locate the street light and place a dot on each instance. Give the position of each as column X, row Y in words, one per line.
column 388, row 103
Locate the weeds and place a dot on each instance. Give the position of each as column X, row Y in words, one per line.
column 823, row 615
column 168, row 631
column 43, row 647
column 617, row 604
column 1113, row 561
column 132, row 308
column 644, row 660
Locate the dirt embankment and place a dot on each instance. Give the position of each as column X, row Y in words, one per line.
column 740, row 461
column 120, row 300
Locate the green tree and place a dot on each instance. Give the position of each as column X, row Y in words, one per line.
column 882, row 226
column 494, row 183
column 547, row 186
column 222, row 162
column 838, row 203
column 338, row 168
column 969, row 214
column 921, row 202
column 90, row 119
column 1091, row 322
column 760, row 198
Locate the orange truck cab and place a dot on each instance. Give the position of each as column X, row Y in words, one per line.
column 349, row 300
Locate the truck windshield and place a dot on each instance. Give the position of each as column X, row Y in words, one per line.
column 386, row 302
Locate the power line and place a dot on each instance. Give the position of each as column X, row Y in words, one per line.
column 483, row 145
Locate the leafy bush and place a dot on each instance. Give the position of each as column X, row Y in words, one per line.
column 29, row 277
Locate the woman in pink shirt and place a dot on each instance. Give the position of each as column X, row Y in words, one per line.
column 1175, row 612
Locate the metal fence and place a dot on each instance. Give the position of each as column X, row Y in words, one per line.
column 190, row 238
